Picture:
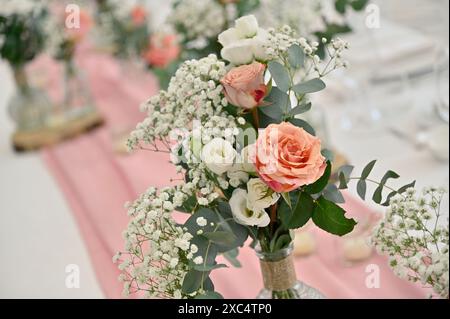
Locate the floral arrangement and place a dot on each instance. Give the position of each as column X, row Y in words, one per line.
column 311, row 18
column 249, row 165
column 123, row 26
column 62, row 40
column 22, row 35
column 415, row 240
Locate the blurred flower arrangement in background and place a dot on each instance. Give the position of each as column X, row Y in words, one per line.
column 415, row 240
column 22, row 38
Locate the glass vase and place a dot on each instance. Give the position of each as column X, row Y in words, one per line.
column 77, row 100
column 29, row 107
column 280, row 280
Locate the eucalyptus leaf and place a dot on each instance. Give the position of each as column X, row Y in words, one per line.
column 300, row 109
column 207, row 268
column 279, row 101
column 209, row 295
column 378, row 194
column 366, row 171
column 192, row 281
column 220, row 237
column 332, row 193
column 311, row 86
column 231, row 256
column 280, row 75
column 303, row 124
column 361, row 188
column 296, row 56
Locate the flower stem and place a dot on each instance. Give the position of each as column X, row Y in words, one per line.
column 255, row 117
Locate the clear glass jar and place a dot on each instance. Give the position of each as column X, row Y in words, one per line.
column 77, row 99
column 29, row 107
column 280, row 281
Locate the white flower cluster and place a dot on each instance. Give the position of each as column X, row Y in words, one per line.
column 194, row 92
column 308, row 17
column 198, row 19
column 280, row 40
column 158, row 250
column 23, row 8
column 417, row 244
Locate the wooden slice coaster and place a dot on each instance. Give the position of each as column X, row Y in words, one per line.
column 35, row 139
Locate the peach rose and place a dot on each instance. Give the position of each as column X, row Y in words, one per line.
column 162, row 50
column 244, row 85
column 138, row 15
column 287, row 157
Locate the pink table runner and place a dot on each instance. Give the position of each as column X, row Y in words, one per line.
column 96, row 183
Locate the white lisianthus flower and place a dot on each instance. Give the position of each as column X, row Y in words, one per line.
column 245, row 42
column 218, row 155
column 260, row 196
column 243, row 215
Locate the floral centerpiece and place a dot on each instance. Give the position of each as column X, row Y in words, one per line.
column 123, row 27
column 65, row 31
column 249, row 166
column 22, row 38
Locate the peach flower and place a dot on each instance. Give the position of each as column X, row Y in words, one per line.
column 138, row 15
column 287, row 157
column 162, row 50
column 244, row 85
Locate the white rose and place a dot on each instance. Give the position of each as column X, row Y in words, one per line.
column 247, row 26
column 218, row 155
column 260, row 196
column 244, row 216
column 229, row 36
column 245, row 42
column 239, row 52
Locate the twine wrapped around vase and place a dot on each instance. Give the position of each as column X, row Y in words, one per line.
column 278, row 275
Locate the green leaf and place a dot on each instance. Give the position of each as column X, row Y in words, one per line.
column 341, row 6
column 359, row 5
column 311, row 86
column 331, row 218
column 378, row 194
column 361, row 188
column 389, row 174
column 209, row 295
column 206, row 268
column 366, row 171
column 287, row 199
column 399, row 191
column 231, row 256
column 192, row 281
column 344, row 173
column 296, row 56
column 303, row 124
column 220, row 237
column 328, row 154
column 282, row 242
column 302, row 211
column 280, row 75
column 299, row 109
column 321, row 183
column 332, row 193
column 279, row 101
